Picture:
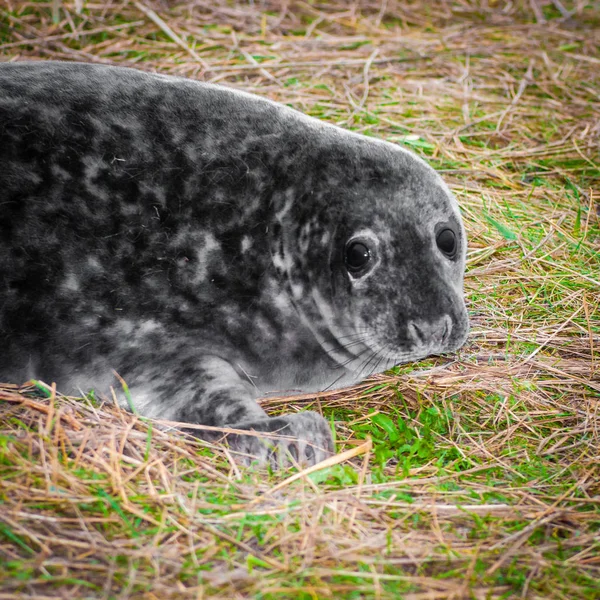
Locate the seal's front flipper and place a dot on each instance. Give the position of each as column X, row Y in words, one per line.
column 303, row 439
column 224, row 399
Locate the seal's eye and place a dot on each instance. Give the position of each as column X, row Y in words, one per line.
column 357, row 256
column 446, row 242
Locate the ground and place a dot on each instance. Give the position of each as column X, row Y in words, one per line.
column 474, row 475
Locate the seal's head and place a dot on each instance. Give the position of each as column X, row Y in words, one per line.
column 376, row 266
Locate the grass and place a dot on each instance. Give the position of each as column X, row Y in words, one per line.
column 467, row 476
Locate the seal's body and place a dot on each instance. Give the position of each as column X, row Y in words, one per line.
column 211, row 246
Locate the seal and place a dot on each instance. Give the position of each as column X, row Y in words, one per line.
column 212, row 246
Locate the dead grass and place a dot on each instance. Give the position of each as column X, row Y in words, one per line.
column 481, row 476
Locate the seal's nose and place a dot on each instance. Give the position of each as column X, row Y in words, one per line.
column 430, row 334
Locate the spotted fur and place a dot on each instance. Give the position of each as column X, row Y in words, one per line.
column 193, row 238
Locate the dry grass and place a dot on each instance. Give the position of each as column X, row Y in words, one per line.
column 482, row 478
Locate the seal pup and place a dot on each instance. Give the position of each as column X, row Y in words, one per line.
column 211, row 246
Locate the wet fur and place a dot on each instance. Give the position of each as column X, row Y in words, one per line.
column 192, row 238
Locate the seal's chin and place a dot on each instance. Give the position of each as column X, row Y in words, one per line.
column 379, row 358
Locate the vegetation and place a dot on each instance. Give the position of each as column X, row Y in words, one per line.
column 468, row 476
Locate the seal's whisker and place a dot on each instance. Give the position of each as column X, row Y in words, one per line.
column 334, row 382
column 376, row 367
column 353, row 335
column 355, row 358
column 389, row 363
column 333, row 350
column 364, row 365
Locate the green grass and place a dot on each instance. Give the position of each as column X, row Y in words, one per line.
column 481, row 478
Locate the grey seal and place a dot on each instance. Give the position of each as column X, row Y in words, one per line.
column 212, row 246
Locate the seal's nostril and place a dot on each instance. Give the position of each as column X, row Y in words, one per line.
column 293, row 449
column 431, row 334
column 446, row 330
column 309, row 453
column 417, row 333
